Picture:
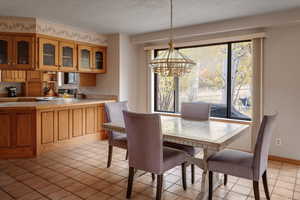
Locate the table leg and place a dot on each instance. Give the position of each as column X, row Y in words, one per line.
column 204, row 182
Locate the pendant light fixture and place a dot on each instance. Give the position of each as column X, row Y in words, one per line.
column 171, row 62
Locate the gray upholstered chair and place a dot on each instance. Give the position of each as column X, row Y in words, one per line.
column 114, row 113
column 246, row 165
column 193, row 111
column 146, row 150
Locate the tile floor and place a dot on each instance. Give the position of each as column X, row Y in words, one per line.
column 79, row 172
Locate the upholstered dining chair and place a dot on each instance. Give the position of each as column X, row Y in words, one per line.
column 146, row 150
column 246, row 165
column 193, row 111
column 114, row 113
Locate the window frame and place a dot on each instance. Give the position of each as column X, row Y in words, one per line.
column 228, row 86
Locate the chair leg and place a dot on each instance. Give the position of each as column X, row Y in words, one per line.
column 265, row 182
column 210, row 187
column 159, row 186
column 153, row 176
column 193, row 173
column 225, row 179
column 126, row 157
column 256, row 190
column 183, row 175
column 130, row 182
column 110, row 152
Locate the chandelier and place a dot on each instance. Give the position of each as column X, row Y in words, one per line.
column 171, row 62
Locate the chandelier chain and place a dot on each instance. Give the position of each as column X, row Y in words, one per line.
column 171, row 21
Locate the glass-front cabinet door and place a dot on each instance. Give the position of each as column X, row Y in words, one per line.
column 6, row 51
column 23, row 53
column 67, row 60
column 85, row 58
column 48, row 54
column 99, row 59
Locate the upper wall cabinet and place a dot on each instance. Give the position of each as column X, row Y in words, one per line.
column 85, row 60
column 48, row 54
column 16, row 52
column 99, row 59
column 6, row 51
column 26, row 51
column 67, row 56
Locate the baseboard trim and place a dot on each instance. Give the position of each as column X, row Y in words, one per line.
column 275, row 158
column 285, row 160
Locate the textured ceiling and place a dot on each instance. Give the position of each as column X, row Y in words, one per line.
column 138, row 16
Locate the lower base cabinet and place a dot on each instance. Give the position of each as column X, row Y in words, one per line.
column 26, row 133
column 64, row 124
column 17, row 133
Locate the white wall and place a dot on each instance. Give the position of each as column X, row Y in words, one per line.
column 282, row 87
column 128, row 72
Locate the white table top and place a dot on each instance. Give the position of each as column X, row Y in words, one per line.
column 209, row 134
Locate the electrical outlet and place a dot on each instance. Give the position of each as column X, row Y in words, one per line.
column 278, row 141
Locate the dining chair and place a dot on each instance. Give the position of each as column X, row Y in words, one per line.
column 192, row 111
column 115, row 139
column 146, row 150
column 246, row 165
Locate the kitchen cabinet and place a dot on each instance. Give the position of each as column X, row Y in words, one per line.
column 13, row 76
column 17, row 133
column 5, row 130
column 6, row 51
column 48, row 54
column 48, row 127
column 63, row 122
column 85, row 60
column 67, row 56
column 16, row 52
column 23, row 53
column 77, row 122
column 34, row 89
column 34, row 76
column 90, row 120
column 99, row 59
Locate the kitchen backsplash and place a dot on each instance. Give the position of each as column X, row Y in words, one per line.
column 3, row 86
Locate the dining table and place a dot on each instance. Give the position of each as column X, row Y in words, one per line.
column 210, row 135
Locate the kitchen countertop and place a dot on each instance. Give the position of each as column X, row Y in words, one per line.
column 28, row 102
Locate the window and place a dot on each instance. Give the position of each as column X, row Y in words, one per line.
column 222, row 77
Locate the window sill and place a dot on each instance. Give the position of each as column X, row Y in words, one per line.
column 211, row 118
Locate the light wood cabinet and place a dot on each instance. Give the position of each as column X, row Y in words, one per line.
column 101, row 118
column 6, row 51
column 99, row 59
column 17, row 133
column 67, row 56
column 23, row 53
column 24, row 132
column 34, row 89
column 48, row 54
column 16, row 52
column 87, row 80
column 90, row 120
column 13, row 76
column 64, row 128
column 47, row 127
column 77, row 121
column 34, row 76
column 5, row 130
column 85, row 60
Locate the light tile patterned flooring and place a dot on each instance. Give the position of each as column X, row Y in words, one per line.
column 79, row 172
